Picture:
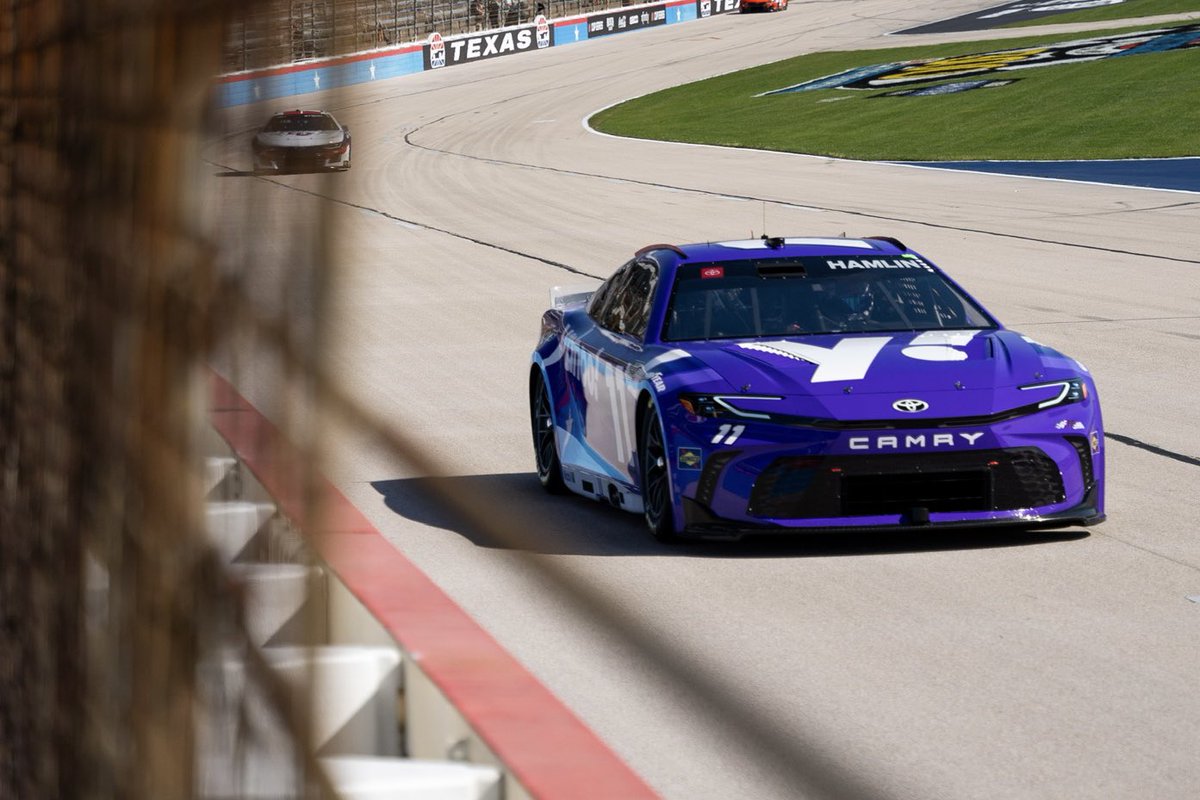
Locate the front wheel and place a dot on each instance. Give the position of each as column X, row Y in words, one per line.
column 656, row 479
column 545, row 448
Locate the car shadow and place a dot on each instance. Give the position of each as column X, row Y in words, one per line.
column 236, row 173
column 521, row 516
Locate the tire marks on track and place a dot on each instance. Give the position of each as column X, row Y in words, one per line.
column 1152, row 448
column 412, row 223
column 408, row 139
column 784, row 203
column 1126, row 440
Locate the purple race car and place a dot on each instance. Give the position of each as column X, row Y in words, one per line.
column 800, row 384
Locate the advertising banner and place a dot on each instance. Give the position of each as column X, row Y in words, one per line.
column 708, row 8
column 626, row 20
column 439, row 52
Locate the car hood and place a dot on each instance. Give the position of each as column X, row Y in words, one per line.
column 860, row 376
column 299, row 138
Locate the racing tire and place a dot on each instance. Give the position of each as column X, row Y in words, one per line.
column 545, row 446
column 656, row 479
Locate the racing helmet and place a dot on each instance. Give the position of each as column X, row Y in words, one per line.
column 855, row 293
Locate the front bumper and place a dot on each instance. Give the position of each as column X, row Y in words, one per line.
column 301, row 159
column 1030, row 472
column 700, row 523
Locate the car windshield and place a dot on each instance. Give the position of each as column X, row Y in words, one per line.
column 300, row 122
column 813, row 295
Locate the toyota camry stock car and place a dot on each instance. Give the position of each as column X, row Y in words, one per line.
column 301, row 141
column 792, row 384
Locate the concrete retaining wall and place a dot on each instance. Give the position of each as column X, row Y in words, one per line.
column 288, row 80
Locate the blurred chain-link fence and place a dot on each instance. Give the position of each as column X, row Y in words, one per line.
column 114, row 603
column 127, row 669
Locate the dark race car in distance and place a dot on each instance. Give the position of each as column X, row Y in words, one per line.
column 784, row 385
column 301, row 141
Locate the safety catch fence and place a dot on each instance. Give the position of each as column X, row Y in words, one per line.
column 275, row 32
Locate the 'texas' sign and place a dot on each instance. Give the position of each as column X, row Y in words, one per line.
column 441, row 52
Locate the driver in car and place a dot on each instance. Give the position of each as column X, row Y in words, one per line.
column 848, row 303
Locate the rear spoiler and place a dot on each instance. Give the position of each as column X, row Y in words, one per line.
column 563, row 296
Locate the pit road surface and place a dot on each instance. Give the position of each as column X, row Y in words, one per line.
column 978, row 665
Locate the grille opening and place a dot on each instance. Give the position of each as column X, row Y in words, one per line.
column 843, row 486
column 1083, row 449
column 712, row 473
column 863, row 495
column 794, row 487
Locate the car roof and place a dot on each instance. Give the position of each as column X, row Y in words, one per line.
column 670, row 256
column 790, row 247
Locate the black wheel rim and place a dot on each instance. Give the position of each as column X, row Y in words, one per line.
column 656, row 473
column 543, row 433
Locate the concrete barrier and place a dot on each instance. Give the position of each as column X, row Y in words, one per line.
column 343, row 672
column 436, row 52
column 277, row 599
column 351, row 693
column 357, row 778
column 216, row 469
column 231, row 526
column 461, row 697
column 347, row 694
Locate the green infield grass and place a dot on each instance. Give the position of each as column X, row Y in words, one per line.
column 1130, row 107
column 1127, row 10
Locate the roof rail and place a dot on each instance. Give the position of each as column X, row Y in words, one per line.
column 892, row 240
column 652, row 247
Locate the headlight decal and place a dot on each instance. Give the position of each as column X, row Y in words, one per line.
column 1073, row 390
column 715, row 406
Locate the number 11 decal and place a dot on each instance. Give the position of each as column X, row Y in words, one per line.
column 728, row 434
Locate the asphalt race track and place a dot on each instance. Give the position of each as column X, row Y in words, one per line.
column 979, row 665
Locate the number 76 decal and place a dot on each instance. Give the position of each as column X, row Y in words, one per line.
column 728, row 434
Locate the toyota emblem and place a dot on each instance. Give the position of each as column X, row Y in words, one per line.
column 910, row 406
